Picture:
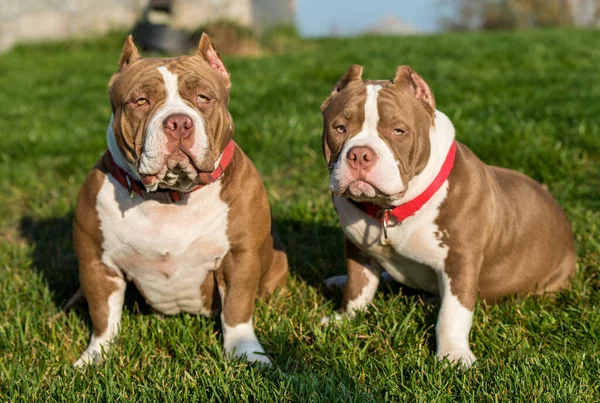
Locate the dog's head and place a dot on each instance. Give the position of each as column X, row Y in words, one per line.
column 170, row 117
column 376, row 134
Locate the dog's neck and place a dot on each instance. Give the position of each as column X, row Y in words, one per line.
column 441, row 138
column 116, row 152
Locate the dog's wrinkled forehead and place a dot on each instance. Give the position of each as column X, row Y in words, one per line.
column 203, row 73
column 152, row 78
column 394, row 102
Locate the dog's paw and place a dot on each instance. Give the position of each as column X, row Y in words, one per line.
column 464, row 357
column 333, row 319
column 252, row 352
column 335, row 283
column 88, row 357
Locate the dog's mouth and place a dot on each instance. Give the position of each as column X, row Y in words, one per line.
column 178, row 172
column 361, row 190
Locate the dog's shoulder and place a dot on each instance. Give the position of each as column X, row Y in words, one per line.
column 86, row 215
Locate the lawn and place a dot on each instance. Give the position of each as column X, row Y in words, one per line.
column 528, row 101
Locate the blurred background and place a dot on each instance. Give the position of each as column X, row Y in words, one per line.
column 173, row 24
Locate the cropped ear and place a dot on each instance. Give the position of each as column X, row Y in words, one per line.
column 129, row 54
column 354, row 73
column 207, row 52
column 407, row 78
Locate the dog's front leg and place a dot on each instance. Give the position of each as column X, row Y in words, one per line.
column 458, row 294
column 238, row 280
column 361, row 283
column 104, row 290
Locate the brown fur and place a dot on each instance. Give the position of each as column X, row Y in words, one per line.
column 524, row 245
column 356, row 264
column 403, row 103
column 96, row 279
column 505, row 233
column 256, row 263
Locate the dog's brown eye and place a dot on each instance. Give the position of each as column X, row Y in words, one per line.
column 141, row 101
column 202, row 99
column 340, row 129
column 399, row 132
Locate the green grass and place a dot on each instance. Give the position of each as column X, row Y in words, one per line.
column 528, row 101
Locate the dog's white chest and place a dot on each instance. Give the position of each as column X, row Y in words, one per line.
column 413, row 253
column 167, row 250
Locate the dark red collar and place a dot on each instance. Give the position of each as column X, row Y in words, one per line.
column 403, row 211
column 168, row 196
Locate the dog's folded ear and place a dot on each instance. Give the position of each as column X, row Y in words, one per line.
column 207, row 52
column 406, row 78
column 354, row 73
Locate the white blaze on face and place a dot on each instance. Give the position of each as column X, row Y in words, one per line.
column 384, row 175
column 154, row 151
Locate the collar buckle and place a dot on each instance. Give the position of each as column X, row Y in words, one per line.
column 212, row 177
column 221, row 174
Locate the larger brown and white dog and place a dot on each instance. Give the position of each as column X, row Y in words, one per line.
column 415, row 203
column 174, row 205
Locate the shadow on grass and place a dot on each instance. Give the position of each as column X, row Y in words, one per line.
column 55, row 259
column 316, row 252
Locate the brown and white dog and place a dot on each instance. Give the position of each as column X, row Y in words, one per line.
column 422, row 207
column 174, row 205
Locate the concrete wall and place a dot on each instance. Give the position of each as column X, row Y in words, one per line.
column 33, row 20
column 268, row 13
column 37, row 20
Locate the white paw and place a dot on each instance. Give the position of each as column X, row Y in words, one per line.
column 88, row 357
column 333, row 319
column 335, row 282
column 457, row 355
column 252, row 352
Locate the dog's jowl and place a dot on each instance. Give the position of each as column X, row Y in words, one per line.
column 174, row 205
column 417, row 204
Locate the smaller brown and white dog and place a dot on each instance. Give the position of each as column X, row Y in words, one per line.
column 174, row 205
column 415, row 203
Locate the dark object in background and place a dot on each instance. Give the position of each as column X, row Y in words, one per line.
column 160, row 37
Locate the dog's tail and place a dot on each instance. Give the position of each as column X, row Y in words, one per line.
column 74, row 300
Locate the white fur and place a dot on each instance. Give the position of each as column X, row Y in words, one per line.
column 339, row 282
column 361, row 302
column 453, row 327
column 384, row 174
column 154, row 150
column 414, row 255
column 240, row 341
column 157, row 247
column 101, row 343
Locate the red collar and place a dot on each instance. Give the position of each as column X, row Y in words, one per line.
column 403, row 211
column 169, row 196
